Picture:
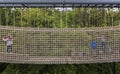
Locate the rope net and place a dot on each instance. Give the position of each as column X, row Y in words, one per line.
column 59, row 35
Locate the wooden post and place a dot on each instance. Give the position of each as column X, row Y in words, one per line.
column 114, row 68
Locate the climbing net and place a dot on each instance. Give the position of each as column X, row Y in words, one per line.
column 59, row 35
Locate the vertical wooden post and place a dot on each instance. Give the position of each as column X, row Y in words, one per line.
column 114, row 68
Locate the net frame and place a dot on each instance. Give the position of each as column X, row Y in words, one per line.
column 49, row 59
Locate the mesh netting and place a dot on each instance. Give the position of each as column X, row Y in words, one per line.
column 59, row 35
column 71, row 45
